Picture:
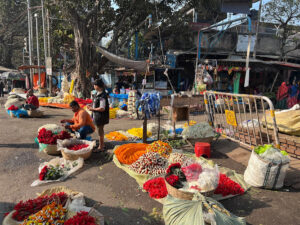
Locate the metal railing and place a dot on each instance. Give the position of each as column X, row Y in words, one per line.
column 246, row 119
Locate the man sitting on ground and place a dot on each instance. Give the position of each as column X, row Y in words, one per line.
column 81, row 124
column 32, row 102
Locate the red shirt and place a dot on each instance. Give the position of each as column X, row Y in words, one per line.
column 33, row 100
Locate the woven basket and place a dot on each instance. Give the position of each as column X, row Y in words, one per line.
column 72, row 157
column 184, row 194
column 192, row 141
column 35, row 113
column 51, row 150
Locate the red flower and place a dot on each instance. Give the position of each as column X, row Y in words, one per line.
column 13, row 108
column 174, row 165
column 43, row 172
column 192, row 171
column 172, row 179
column 77, row 147
column 228, row 187
column 47, row 137
column 156, row 188
column 24, row 209
column 81, row 218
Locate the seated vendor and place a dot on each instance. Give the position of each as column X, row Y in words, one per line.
column 32, row 102
column 81, row 124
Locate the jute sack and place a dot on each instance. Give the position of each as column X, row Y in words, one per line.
column 264, row 173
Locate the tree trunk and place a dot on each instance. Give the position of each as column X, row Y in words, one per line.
column 83, row 60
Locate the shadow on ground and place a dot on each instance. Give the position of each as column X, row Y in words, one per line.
column 5, row 207
column 124, row 216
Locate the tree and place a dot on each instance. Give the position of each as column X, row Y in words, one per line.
column 286, row 13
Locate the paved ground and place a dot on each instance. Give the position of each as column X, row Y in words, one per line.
column 123, row 203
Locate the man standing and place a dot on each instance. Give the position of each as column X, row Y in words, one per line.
column 1, row 89
column 81, row 124
column 32, row 102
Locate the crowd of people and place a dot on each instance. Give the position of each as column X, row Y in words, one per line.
column 288, row 95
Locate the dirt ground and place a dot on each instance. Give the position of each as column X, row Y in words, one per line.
column 122, row 201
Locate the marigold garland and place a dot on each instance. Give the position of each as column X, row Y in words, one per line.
column 138, row 132
column 129, row 153
column 50, row 214
column 116, row 136
column 162, row 148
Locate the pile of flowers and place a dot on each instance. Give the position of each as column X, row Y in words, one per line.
column 50, row 214
column 24, row 209
column 138, row 132
column 48, row 137
column 180, row 158
column 162, row 148
column 77, row 147
column 200, row 130
column 150, row 163
column 13, row 108
column 116, row 136
column 51, row 173
column 81, row 218
column 227, row 186
column 130, row 153
column 156, row 188
column 56, row 129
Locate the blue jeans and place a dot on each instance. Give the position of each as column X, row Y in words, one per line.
column 83, row 131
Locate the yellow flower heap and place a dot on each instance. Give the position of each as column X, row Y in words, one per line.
column 191, row 123
column 160, row 147
column 116, row 136
column 50, row 214
column 138, row 132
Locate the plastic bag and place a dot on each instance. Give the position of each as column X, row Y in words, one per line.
column 264, row 173
column 192, row 171
column 70, row 167
column 274, row 155
column 63, row 144
column 197, row 212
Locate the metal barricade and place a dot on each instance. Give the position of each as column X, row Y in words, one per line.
column 246, row 119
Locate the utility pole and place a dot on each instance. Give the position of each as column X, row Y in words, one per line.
column 44, row 31
column 257, row 29
column 38, row 48
column 29, row 41
column 49, row 53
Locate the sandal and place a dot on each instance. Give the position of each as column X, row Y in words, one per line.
column 97, row 150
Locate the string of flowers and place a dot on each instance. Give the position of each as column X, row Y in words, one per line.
column 50, row 214
column 160, row 147
column 24, row 209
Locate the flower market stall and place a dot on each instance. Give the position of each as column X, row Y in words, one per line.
column 58, row 205
column 176, row 179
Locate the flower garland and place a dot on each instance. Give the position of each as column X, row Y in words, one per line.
column 191, row 123
column 81, row 218
column 24, row 209
column 56, row 129
column 150, row 163
column 116, row 136
column 47, row 137
column 138, row 132
column 162, row 148
column 227, row 186
column 77, row 147
column 129, row 153
column 156, row 188
column 51, row 173
column 50, row 214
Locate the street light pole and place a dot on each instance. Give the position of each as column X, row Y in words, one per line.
column 38, row 48
column 29, row 41
column 44, row 31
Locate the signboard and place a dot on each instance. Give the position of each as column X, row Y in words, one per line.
column 236, row 6
column 242, row 44
column 230, row 118
column 49, row 66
